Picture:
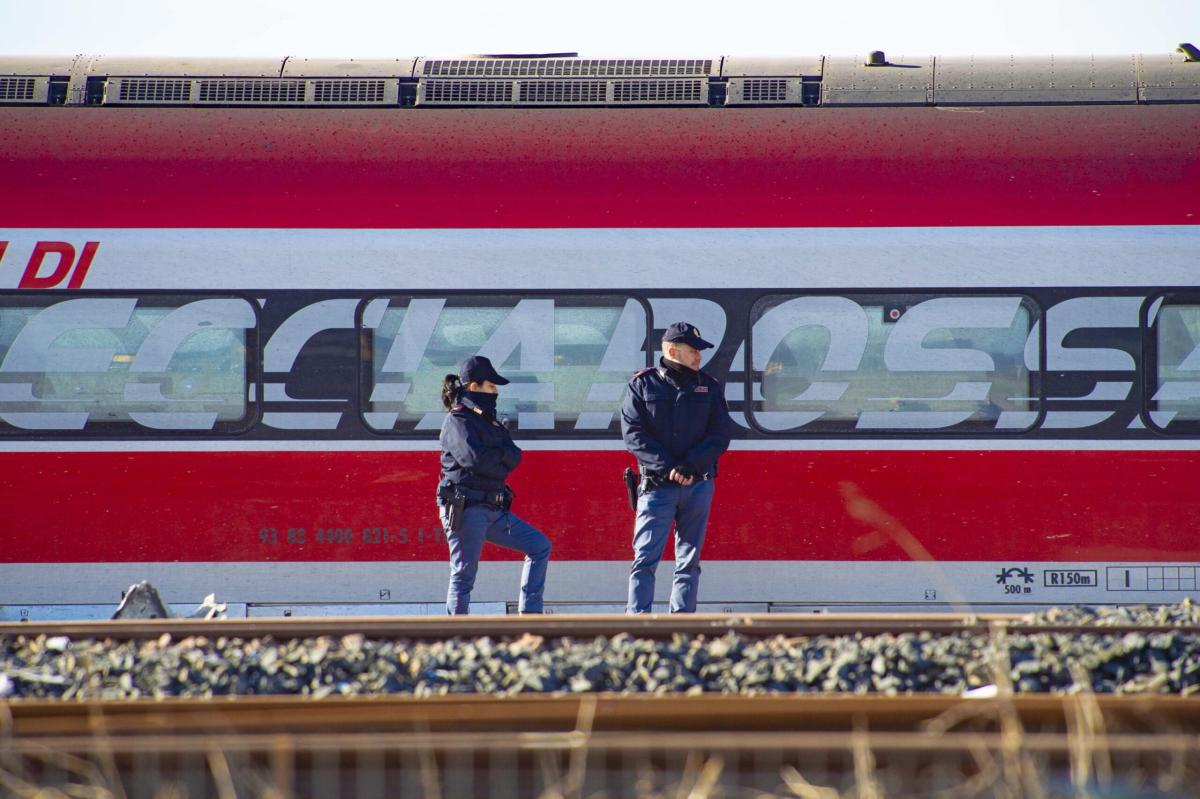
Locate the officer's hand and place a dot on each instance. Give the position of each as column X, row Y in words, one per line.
column 678, row 477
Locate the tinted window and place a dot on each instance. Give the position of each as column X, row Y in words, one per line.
column 568, row 358
column 1176, row 395
column 896, row 363
column 162, row 364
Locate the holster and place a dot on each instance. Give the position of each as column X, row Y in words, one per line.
column 454, row 501
column 631, row 487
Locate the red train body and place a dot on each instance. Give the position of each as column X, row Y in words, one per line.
column 1049, row 455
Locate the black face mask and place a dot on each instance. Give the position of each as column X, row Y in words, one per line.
column 681, row 373
column 482, row 401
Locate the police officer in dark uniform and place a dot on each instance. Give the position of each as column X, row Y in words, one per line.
column 676, row 423
column 473, row 500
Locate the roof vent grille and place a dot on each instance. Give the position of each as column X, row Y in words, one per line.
column 774, row 90
column 16, row 89
column 564, row 91
column 565, row 67
column 251, row 91
column 154, row 90
column 658, row 91
column 460, row 92
column 348, row 91
column 767, row 91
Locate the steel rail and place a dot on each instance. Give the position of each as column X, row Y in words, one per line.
column 654, row 626
column 916, row 741
column 604, row 712
column 952, row 753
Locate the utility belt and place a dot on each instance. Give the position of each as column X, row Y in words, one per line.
column 501, row 498
column 455, row 500
column 650, row 480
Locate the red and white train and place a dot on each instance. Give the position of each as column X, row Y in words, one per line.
column 956, row 301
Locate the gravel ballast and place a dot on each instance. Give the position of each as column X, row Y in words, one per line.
column 1163, row 662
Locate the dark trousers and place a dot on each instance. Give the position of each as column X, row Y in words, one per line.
column 486, row 523
column 658, row 508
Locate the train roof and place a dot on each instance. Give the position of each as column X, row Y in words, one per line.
column 557, row 80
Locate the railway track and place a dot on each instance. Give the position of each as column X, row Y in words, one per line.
column 598, row 744
column 598, row 654
column 556, row 711
column 653, row 626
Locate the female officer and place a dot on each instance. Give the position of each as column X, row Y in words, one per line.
column 473, row 501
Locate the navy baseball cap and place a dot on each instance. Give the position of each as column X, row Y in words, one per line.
column 477, row 368
column 686, row 333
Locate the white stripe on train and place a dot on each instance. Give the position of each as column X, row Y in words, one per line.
column 604, row 582
column 621, row 258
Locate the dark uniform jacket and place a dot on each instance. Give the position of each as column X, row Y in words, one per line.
column 477, row 451
column 674, row 419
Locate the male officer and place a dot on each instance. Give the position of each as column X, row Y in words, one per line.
column 676, row 423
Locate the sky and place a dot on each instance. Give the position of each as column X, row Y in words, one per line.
column 612, row 28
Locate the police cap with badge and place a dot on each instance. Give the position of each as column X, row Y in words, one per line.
column 477, row 369
column 686, row 333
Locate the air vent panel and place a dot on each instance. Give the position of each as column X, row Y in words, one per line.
column 151, row 90
column 252, row 91
column 566, row 91
column 349, row 91
column 466, row 92
column 234, row 91
column 566, row 67
column 659, row 91
column 563, row 92
column 25, row 89
column 765, row 91
column 17, row 90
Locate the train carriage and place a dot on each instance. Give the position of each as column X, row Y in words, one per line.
column 956, row 303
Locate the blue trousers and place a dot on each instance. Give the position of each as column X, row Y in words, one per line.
column 485, row 523
column 657, row 509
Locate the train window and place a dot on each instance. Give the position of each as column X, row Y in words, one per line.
column 568, row 357
column 894, row 363
column 111, row 363
column 1175, row 392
